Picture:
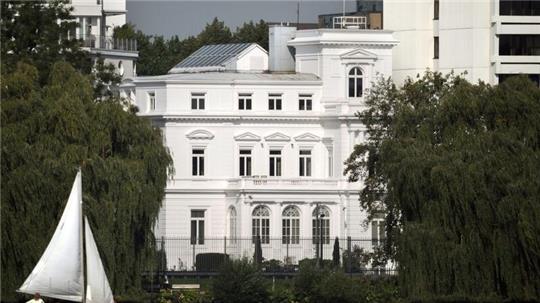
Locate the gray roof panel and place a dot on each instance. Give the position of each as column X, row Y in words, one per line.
column 213, row 55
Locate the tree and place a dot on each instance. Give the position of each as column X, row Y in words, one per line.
column 240, row 281
column 47, row 134
column 335, row 253
column 253, row 33
column 31, row 32
column 257, row 255
column 455, row 167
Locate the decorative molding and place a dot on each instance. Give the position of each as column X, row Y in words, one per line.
column 247, row 136
column 277, row 137
column 359, row 53
column 307, row 137
column 200, row 134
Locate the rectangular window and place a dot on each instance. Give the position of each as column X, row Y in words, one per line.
column 291, row 231
column 305, row 102
column 197, row 101
column 244, row 101
column 318, row 226
column 275, row 163
column 519, row 45
column 197, row 227
column 377, row 232
column 274, row 101
column 436, row 10
column 197, row 162
column 435, row 47
column 245, row 162
column 261, row 226
column 305, row 163
column 519, row 8
column 151, row 101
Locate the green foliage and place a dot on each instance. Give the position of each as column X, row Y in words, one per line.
column 47, row 134
column 459, row 166
column 257, row 254
column 158, row 55
column 31, row 33
column 240, row 281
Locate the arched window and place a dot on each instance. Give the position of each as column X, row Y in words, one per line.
column 321, row 223
column 291, row 225
column 260, row 224
column 356, row 83
column 232, row 225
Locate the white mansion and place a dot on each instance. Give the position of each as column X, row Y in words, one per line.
column 259, row 139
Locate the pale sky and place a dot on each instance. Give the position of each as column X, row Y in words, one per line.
column 184, row 17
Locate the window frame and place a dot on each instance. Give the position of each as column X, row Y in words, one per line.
column 198, row 101
column 305, row 163
column 260, row 224
column 275, row 101
column 325, row 225
column 290, row 225
column 198, row 158
column 245, row 161
column 196, row 236
column 245, row 101
column 305, row 102
column 275, row 163
column 151, row 95
column 357, row 80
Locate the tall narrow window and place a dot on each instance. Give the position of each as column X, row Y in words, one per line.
column 197, row 162
column 275, row 163
column 197, row 227
column 305, row 163
column 356, row 85
column 232, row 225
column 291, row 225
column 305, row 102
column 151, row 101
column 244, row 102
column 435, row 47
column 321, row 224
column 245, row 162
column 377, row 231
column 197, row 101
column 436, row 10
column 274, row 101
column 260, row 224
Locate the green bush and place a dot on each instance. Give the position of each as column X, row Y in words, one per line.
column 240, row 281
column 210, row 262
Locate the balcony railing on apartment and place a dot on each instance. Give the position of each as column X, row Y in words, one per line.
column 358, row 22
column 280, row 255
column 109, row 43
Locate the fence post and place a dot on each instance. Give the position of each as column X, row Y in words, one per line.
column 225, row 245
column 287, row 254
column 349, row 255
column 193, row 256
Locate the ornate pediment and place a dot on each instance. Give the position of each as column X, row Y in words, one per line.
column 247, row 137
column 359, row 53
column 200, row 134
column 307, row 137
column 277, row 137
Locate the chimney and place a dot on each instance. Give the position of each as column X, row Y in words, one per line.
column 281, row 56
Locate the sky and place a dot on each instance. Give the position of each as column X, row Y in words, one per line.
column 188, row 17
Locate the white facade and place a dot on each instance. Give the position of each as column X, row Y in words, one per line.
column 314, row 126
column 97, row 20
column 468, row 34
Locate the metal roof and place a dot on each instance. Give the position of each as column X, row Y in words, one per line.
column 212, row 55
column 232, row 77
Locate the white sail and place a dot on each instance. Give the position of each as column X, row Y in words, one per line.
column 58, row 274
column 97, row 288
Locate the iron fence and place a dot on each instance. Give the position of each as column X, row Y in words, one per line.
column 280, row 255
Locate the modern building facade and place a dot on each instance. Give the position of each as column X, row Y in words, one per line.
column 372, row 10
column 259, row 140
column 97, row 20
column 488, row 39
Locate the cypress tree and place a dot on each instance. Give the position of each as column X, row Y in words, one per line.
column 257, row 255
column 335, row 253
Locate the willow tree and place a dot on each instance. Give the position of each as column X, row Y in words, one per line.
column 455, row 167
column 47, row 133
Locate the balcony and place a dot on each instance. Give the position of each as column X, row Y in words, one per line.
column 109, row 43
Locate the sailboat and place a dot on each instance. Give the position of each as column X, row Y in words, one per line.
column 71, row 260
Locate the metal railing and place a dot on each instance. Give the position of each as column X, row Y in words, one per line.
column 359, row 22
column 109, row 43
column 280, row 255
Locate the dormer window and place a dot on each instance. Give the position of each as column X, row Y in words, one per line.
column 356, row 85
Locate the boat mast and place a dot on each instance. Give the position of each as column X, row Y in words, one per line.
column 81, row 229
